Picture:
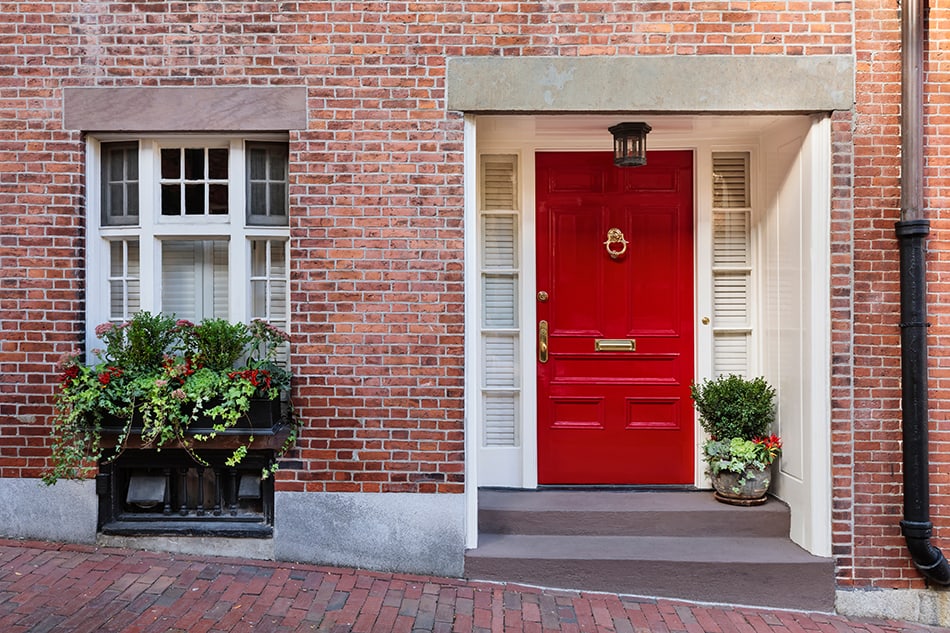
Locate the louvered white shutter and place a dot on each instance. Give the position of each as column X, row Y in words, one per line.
column 732, row 263
column 500, row 270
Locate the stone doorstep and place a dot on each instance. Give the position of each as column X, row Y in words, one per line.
column 669, row 544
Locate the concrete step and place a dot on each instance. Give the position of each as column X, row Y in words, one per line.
column 616, row 512
column 671, row 544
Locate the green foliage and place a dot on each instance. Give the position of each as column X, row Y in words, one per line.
column 219, row 344
column 168, row 374
column 734, row 455
column 734, row 406
column 140, row 343
column 738, row 455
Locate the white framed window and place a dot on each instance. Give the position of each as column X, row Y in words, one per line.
column 195, row 227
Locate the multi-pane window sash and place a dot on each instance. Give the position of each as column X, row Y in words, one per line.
column 195, row 228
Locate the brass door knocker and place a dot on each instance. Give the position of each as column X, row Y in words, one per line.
column 615, row 236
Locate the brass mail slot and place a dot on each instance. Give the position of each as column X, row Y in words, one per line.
column 615, row 345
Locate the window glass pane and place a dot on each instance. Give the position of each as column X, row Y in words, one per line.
column 258, row 258
column 171, row 163
column 195, row 278
column 218, row 164
column 116, row 300
column 267, row 184
column 124, row 283
column 278, row 303
column 194, row 163
column 135, row 296
column 278, row 199
column 195, row 199
column 181, row 262
column 269, row 280
column 278, row 167
column 219, row 280
column 278, row 258
column 119, row 186
column 258, row 198
column 257, row 163
column 116, row 259
column 132, row 198
column 171, row 200
column 116, row 200
column 218, row 199
column 132, row 162
column 115, row 165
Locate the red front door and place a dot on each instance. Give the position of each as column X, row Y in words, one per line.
column 615, row 305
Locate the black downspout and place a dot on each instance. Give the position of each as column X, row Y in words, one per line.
column 916, row 526
column 912, row 233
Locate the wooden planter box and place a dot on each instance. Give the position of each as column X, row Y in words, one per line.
column 263, row 418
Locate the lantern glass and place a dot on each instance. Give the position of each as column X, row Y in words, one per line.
column 630, row 144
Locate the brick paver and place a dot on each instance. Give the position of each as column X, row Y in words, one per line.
column 75, row 588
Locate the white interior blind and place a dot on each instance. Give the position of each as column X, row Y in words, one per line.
column 269, row 299
column 500, row 299
column 732, row 257
column 195, row 279
column 125, row 287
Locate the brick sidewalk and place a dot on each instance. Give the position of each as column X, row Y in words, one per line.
column 75, row 589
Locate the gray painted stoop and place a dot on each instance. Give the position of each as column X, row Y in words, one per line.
column 666, row 544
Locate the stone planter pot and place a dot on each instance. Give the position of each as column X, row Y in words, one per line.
column 752, row 491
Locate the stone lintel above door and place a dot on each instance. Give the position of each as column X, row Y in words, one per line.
column 732, row 84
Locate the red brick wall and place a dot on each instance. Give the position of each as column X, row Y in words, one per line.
column 868, row 507
column 377, row 207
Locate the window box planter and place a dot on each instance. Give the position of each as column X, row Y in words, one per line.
column 167, row 384
column 264, row 416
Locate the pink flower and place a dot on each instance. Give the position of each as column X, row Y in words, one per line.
column 67, row 359
column 104, row 328
column 179, row 394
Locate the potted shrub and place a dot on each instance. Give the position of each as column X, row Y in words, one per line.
column 172, row 383
column 737, row 413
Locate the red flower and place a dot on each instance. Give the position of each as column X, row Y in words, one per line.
column 69, row 373
column 257, row 377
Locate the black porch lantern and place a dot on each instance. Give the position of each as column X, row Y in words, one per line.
column 630, row 144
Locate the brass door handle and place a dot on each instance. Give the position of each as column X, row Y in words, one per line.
column 543, row 342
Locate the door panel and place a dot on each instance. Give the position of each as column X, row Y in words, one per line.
column 615, row 416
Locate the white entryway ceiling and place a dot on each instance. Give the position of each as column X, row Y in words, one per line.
column 671, row 127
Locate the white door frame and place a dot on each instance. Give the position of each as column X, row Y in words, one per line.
column 525, row 135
